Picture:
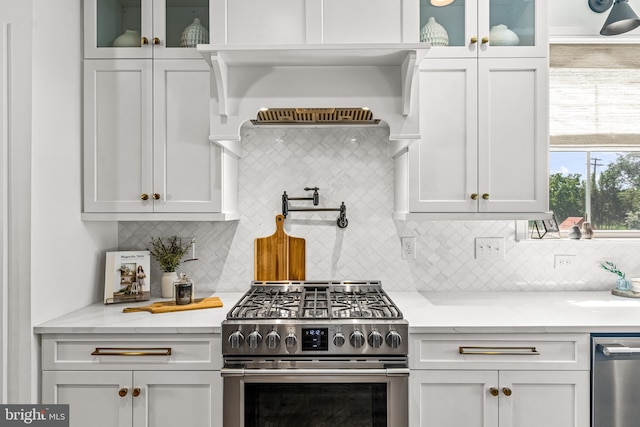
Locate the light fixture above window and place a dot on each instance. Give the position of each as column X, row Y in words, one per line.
column 441, row 2
column 621, row 19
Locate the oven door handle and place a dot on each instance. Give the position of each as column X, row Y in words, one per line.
column 241, row 372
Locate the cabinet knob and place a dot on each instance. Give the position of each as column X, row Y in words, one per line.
column 485, row 40
column 136, row 392
column 123, row 392
column 156, row 196
column 156, row 40
column 474, row 196
column 506, row 391
column 145, row 40
column 485, row 196
column 474, row 40
column 494, row 391
column 144, row 196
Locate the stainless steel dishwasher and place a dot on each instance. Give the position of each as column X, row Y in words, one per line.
column 615, row 381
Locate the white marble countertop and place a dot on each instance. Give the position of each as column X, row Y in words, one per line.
column 437, row 312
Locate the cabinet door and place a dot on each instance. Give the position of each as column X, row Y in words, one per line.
column 513, row 136
column 107, row 20
column 443, row 164
column 117, row 135
column 94, row 398
column 170, row 19
column 544, row 398
column 451, row 29
column 453, row 398
column 178, row 398
column 186, row 164
column 362, row 21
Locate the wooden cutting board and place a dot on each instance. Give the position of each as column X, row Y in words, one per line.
column 169, row 306
column 279, row 256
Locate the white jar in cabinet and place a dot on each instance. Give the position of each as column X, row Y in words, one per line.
column 141, row 28
column 146, row 143
column 519, row 28
column 483, row 146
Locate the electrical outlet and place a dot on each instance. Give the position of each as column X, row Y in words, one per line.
column 564, row 261
column 408, row 247
column 489, row 247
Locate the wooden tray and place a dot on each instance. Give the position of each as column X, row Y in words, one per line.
column 627, row 294
column 170, row 306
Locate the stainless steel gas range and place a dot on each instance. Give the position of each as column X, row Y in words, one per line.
column 315, row 354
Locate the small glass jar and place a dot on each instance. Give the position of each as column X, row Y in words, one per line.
column 184, row 291
column 623, row 284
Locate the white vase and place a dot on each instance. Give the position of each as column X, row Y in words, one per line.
column 130, row 38
column 434, row 33
column 194, row 34
column 167, row 289
column 501, row 35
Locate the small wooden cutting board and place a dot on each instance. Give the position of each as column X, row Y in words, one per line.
column 170, row 306
column 279, row 256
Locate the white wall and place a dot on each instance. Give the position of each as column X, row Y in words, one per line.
column 67, row 254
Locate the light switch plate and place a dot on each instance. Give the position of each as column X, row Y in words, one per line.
column 489, row 247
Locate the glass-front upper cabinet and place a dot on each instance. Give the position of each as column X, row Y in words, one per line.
column 485, row 28
column 145, row 28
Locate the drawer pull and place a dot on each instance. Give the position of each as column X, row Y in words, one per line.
column 113, row 351
column 136, row 392
column 123, row 392
column 506, row 391
column 500, row 351
column 494, row 391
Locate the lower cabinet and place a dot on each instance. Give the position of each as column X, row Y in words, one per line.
column 138, row 398
column 499, row 398
column 505, row 380
column 130, row 380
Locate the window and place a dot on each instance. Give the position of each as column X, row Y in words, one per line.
column 594, row 111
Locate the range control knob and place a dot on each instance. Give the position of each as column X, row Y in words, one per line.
column 236, row 339
column 357, row 339
column 254, row 339
column 272, row 340
column 338, row 339
column 290, row 340
column 394, row 339
column 376, row 339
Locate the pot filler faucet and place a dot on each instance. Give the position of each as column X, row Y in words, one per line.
column 341, row 221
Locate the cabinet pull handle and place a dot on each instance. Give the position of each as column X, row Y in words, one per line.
column 506, row 391
column 123, row 392
column 156, row 40
column 114, row 351
column 145, row 40
column 474, row 40
column 485, row 196
column 474, row 196
column 156, row 196
column 500, row 351
column 136, row 392
column 144, row 196
column 485, row 40
column 494, row 391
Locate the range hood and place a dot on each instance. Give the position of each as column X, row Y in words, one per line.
column 316, row 116
column 314, row 84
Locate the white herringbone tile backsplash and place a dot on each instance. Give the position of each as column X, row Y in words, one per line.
column 353, row 165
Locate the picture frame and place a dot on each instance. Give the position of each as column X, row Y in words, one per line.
column 545, row 228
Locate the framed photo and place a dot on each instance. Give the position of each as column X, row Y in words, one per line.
column 126, row 277
column 545, row 227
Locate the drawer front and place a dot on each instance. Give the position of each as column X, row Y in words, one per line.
column 136, row 352
column 499, row 351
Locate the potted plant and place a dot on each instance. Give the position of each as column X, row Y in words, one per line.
column 168, row 252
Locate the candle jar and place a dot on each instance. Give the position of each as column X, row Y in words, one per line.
column 184, row 290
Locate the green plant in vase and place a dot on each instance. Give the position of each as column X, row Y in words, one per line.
column 168, row 252
column 621, row 282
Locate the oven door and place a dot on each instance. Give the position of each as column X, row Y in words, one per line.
column 316, row 394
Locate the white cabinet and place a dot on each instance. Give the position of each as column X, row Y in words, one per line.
column 506, row 380
column 488, row 28
column 483, row 145
column 146, row 144
column 499, row 398
column 155, row 27
column 136, row 381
